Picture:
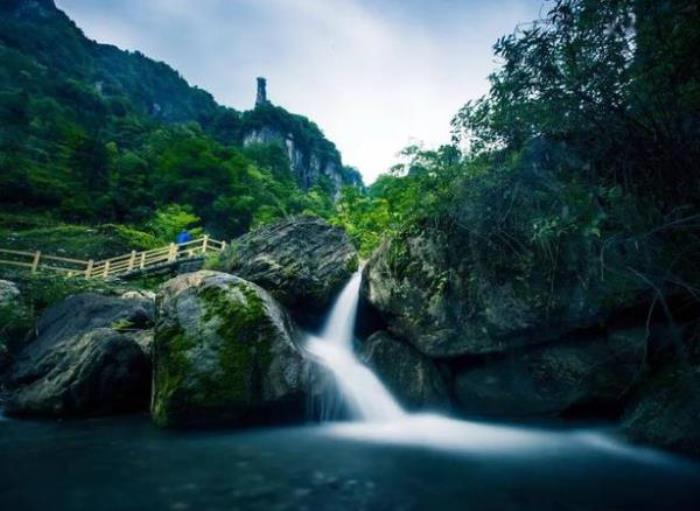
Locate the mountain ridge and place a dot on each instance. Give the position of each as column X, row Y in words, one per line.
column 158, row 91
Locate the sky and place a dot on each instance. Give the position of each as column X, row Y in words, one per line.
column 375, row 75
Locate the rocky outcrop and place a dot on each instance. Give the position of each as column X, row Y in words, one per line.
column 410, row 376
column 517, row 338
column 225, row 353
column 554, row 379
column 308, row 165
column 85, row 359
column 438, row 290
column 313, row 159
column 666, row 410
column 303, row 262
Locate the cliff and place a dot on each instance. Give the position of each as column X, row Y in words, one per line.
column 312, row 157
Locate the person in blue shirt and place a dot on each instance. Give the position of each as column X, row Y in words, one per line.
column 183, row 237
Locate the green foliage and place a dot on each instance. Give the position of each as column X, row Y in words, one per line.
column 618, row 81
column 80, row 242
column 170, row 220
column 416, row 189
column 15, row 324
column 96, row 135
column 579, row 162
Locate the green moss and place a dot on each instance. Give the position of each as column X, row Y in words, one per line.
column 122, row 325
column 244, row 328
column 170, row 372
column 15, row 322
column 243, row 356
column 353, row 264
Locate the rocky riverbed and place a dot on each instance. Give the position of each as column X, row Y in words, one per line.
column 224, row 347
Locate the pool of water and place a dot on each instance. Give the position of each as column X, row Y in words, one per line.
column 126, row 463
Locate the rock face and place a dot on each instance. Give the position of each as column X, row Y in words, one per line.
column 308, row 166
column 410, row 376
column 85, row 359
column 225, row 354
column 666, row 412
column 512, row 343
column 552, row 379
column 433, row 290
column 313, row 159
column 303, row 262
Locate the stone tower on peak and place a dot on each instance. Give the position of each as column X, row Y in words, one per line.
column 261, row 98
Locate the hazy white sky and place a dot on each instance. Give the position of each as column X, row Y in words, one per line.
column 375, row 75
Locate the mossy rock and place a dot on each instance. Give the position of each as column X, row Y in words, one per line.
column 303, row 262
column 451, row 294
column 225, row 353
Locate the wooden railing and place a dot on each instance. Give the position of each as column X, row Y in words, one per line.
column 116, row 266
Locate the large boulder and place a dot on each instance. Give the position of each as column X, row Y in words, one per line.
column 666, row 410
column 449, row 296
column 85, row 359
column 225, row 353
column 555, row 379
column 410, row 376
column 303, row 262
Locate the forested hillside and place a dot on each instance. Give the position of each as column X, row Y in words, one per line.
column 590, row 130
column 94, row 134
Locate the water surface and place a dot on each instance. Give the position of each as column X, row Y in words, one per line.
column 126, row 463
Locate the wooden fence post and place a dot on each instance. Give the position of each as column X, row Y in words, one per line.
column 105, row 274
column 205, row 242
column 132, row 260
column 88, row 270
column 172, row 255
column 35, row 262
column 223, row 246
column 143, row 260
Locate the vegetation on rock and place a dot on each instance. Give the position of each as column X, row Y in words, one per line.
column 224, row 353
column 302, row 261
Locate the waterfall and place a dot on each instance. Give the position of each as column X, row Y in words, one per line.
column 379, row 418
column 365, row 395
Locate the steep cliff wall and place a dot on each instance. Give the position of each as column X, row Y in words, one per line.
column 309, row 165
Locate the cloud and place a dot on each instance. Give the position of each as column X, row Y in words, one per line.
column 374, row 75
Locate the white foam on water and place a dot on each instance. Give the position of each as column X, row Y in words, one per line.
column 367, row 398
column 378, row 417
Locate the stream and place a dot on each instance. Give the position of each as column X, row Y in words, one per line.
column 383, row 459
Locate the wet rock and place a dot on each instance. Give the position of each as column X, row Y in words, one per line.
column 410, row 376
column 554, row 379
column 302, row 262
column 225, row 352
column 84, row 360
column 666, row 410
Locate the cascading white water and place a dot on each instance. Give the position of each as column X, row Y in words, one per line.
column 366, row 397
column 381, row 418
